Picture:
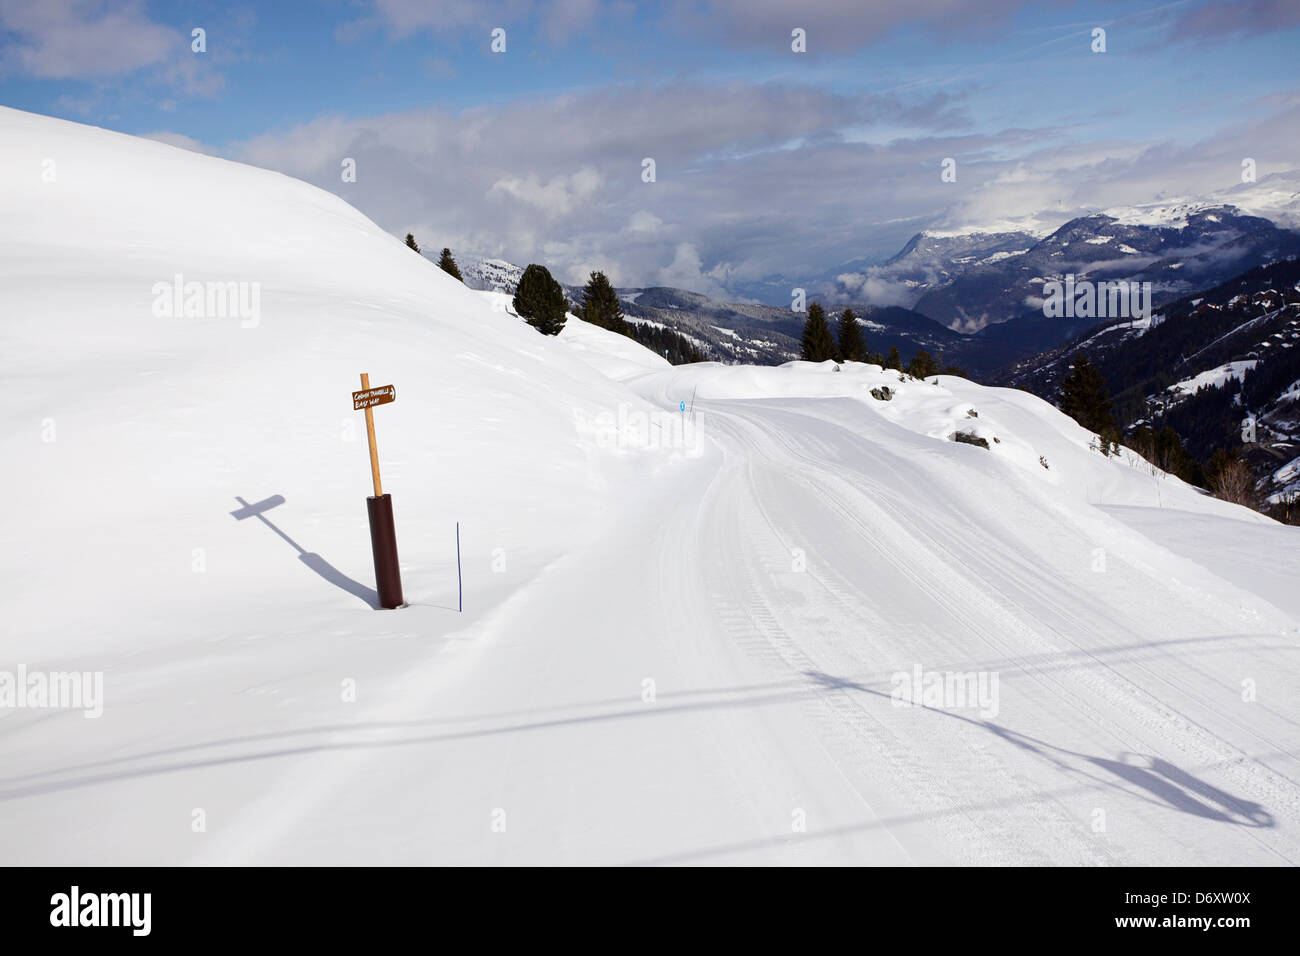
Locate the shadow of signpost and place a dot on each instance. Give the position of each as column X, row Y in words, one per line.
column 312, row 560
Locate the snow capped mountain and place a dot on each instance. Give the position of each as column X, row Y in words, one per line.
column 983, row 275
column 920, row 618
column 1178, row 248
column 928, row 260
column 1275, row 197
column 490, row 275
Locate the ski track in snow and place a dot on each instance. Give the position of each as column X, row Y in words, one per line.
column 1128, row 717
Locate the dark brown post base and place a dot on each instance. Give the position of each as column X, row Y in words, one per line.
column 383, row 542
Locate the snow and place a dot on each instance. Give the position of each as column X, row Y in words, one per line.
column 1168, row 213
column 1031, row 225
column 1215, row 377
column 678, row 650
column 999, row 256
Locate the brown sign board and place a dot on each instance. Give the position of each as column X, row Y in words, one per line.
column 370, row 397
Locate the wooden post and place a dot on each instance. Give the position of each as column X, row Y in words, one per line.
column 383, row 539
column 370, row 437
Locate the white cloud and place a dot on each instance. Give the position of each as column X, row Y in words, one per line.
column 644, row 222
column 63, row 39
column 686, row 272
column 558, row 180
column 557, row 197
column 96, row 41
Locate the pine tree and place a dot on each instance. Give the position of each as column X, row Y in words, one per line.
column 666, row 342
column 1084, row 398
column 816, row 344
column 410, row 241
column 850, row 335
column 448, row 265
column 895, row 361
column 600, row 305
column 922, row 365
column 540, row 300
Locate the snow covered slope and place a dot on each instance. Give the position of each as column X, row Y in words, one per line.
column 688, row 634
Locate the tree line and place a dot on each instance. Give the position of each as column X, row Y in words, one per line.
column 539, row 299
column 817, row 344
column 1222, row 470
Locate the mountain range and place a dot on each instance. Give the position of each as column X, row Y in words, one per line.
column 1221, row 367
column 975, row 299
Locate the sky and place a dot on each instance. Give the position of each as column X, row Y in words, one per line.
column 771, row 165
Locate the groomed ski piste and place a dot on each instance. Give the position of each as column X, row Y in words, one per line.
column 691, row 637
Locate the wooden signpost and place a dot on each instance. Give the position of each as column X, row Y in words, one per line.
column 383, row 537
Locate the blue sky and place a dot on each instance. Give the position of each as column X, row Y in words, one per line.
column 769, row 162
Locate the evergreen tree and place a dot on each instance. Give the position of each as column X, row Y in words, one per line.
column 816, row 344
column 540, row 300
column 850, row 335
column 410, row 241
column 922, row 365
column 1165, row 450
column 448, row 265
column 1084, row 398
column 600, row 305
column 895, row 361
column 663, row 341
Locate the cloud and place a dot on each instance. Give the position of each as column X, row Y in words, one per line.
column 686, row 272
column 77, row 39
column 837, row 25
column 558, row 20
column 644, row 222
column 872, row 287
column 1221, row 18
column 832, row 25
column 559, row 179
column 756, row 186
column 557, row 197
column 102, row 43
column 440, row 68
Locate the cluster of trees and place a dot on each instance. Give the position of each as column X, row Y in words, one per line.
column 601, row 306
column 676, row 348
column 540, row 300
column 1085, row 398
column 817, row 344
column 445, row 262
column 1221, row 469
